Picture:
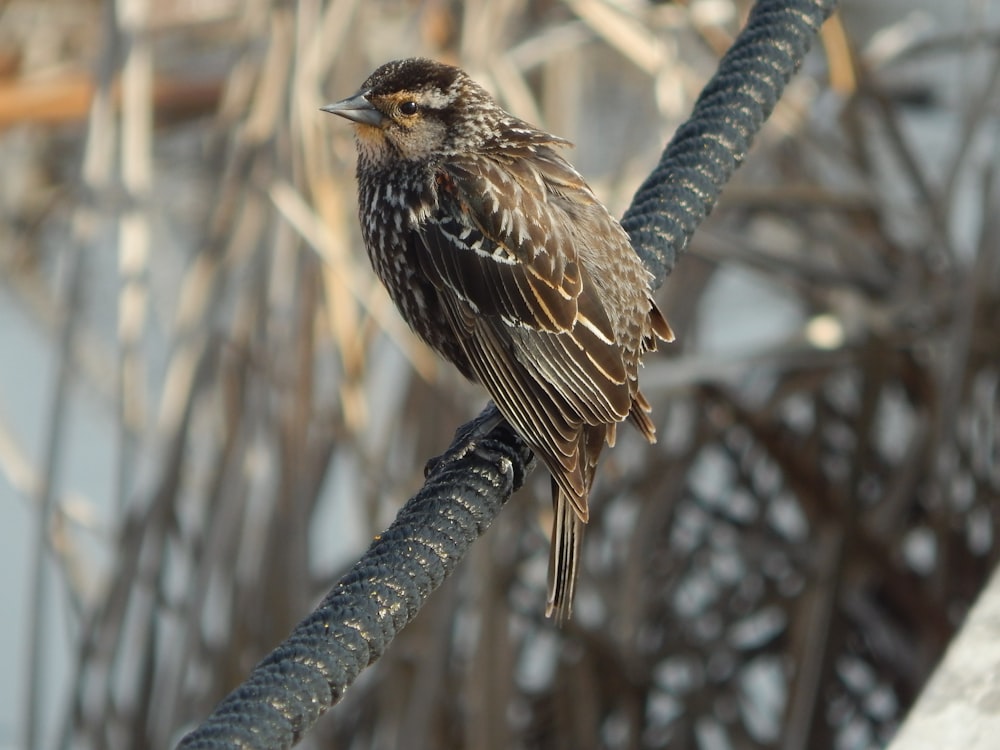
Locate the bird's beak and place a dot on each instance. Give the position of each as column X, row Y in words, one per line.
column 356, row 108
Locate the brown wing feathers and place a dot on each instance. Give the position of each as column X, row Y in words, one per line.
column 542, row 344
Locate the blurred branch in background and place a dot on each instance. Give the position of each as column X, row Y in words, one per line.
column 782, row 570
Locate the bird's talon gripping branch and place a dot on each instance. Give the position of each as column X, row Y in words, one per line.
column 466, row 438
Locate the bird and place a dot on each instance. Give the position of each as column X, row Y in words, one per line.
column 502, row 259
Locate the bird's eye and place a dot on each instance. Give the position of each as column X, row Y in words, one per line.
column 408, row 108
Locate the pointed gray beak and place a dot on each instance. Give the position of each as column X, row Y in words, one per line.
column 357, row 109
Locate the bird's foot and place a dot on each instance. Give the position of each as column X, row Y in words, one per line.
column 491, row 433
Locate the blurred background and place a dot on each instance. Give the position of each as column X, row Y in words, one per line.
column 208, row 406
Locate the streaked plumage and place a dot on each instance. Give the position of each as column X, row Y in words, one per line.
column 500, row 257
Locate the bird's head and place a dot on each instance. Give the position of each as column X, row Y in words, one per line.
column 417, row 109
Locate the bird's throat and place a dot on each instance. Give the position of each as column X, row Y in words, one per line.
column 372, row 143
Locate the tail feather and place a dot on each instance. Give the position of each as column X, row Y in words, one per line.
column 571, row 510
column 660, row 327
column 564, row 556
column 639, row 414
column 571, row 514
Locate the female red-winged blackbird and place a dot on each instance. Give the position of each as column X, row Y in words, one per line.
column 500, row 257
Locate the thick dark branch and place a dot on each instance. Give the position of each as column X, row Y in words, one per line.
column 292, row 687
column 705, row 151
column 465, row 489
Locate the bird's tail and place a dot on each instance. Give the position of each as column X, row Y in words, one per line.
column 564, row 554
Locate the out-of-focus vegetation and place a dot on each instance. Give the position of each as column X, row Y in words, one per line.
column 781, row 570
